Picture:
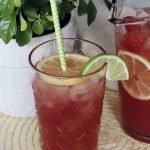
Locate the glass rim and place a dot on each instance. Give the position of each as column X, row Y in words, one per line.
column 116, row 20
column 65, row 78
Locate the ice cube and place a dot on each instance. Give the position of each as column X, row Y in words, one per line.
column 78, row 91
column 139, row 10
column 127, row 11
column 142, row 14
column 54, row 95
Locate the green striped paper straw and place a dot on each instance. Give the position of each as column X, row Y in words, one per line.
column 58, row 35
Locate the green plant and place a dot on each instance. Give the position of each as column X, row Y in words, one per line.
column 107, row 3
column 20, row 19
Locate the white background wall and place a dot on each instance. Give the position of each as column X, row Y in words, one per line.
column 100, row 31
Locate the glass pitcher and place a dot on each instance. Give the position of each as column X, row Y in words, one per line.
column 131, row 19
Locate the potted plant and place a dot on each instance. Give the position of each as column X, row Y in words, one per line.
column 23, row 25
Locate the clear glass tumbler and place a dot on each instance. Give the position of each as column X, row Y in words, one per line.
column 68, row 114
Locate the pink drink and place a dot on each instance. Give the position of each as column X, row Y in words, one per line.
column 133, row 45
column 69, row 117
column 68, row 108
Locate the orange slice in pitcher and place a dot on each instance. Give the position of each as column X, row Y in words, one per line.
column 56, row 76
column 138, row 85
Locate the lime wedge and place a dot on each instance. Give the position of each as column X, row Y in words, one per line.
column 116, row 67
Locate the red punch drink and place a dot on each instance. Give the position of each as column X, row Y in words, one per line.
column 69, row 116
column 69, row 105
column 133, row 46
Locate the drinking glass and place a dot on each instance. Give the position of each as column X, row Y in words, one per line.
column 68, row 115
column 132, row 30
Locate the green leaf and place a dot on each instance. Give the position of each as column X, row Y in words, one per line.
column 17, row 3
column 47, row 25
column 24, row 37
column 6, row 8
column 30, row 19
column 82, row 8
column 61, row 11
column 23, row 23
column 45, row 9
column 92, row 12
column 68, row 6
column 38, row 27
column 30, row 11
column 38, row 3
column 107, row 3
column 49, row 17
column 8, row 28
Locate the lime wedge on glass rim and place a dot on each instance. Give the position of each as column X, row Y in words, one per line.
column 116, row 67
